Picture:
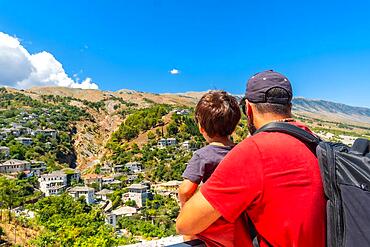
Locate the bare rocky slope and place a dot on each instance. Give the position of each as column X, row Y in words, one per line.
column 320, row 109
column 91, row 136
column 333, row 111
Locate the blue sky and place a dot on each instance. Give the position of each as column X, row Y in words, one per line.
column 323, row 47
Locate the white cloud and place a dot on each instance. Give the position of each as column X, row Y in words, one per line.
column 20, row 69
column 174, row 71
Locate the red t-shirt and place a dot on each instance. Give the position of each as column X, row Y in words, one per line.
column 225, row 234
column 275, row 179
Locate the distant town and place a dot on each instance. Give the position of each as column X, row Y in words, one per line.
column 117, row 189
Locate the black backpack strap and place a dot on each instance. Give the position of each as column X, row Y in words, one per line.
column 292, row 130
column 256, row 238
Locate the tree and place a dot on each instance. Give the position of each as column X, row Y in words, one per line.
column 151, row 135
column 158, row 221
column 95, row 185
column 68, row 222
column 11, row 194
column 172, row 129
column 130, row 203
column 158, row 133
column 135, row 148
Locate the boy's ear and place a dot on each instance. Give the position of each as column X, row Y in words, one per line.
column 201, row 130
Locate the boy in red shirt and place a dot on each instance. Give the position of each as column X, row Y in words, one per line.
column 217, row 114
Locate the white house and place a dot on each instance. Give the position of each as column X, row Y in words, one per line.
column 78, row 191
column 113, row 217
column 47, row 132
column 187, row 145
column 21, row 130
column 182, row 112
column 110, row 181
column 103, row 194
column 171, row 141
column 53, row 183
column 162, row 143
column 15, row 166
column 138, row 193
column 169, row 188
column 133, row 167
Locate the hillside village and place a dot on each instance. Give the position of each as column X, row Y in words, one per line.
column 130, row 185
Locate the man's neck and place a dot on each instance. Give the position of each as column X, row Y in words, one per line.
column 259, row 122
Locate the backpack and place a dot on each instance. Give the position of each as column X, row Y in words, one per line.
column 345, row 173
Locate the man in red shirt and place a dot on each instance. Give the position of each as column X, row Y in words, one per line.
column 272, row 178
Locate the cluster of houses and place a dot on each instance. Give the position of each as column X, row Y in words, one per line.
column 136, row 196
column 181, row 111
column 30, row 168
column 138, row 193
column 6, row 132
column 93, row 188
column 23, row 134
column 168, row 142
column 58, row 182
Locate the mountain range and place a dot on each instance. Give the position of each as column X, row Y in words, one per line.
column 314, row 108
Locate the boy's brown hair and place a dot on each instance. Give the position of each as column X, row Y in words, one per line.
column 218, row 113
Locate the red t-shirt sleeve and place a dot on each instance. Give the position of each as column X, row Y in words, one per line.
column 237, row 181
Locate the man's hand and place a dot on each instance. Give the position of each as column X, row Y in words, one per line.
column 196, row 216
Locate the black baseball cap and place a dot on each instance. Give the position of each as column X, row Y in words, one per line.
column 259, row 84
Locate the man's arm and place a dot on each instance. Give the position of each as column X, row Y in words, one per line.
column 196, row 215
column 186, row 190
column 233, row 186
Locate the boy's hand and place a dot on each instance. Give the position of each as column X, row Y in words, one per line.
column 186, row 190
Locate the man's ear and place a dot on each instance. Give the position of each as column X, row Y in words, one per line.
column 249, row 109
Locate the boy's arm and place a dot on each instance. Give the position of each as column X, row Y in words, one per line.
column 186, row 190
